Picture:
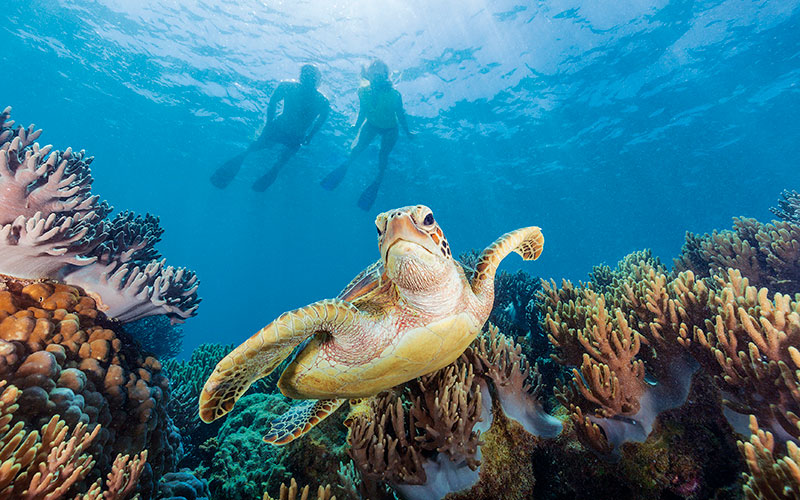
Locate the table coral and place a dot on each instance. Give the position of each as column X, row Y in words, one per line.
column 66, row 360
column 51, row 226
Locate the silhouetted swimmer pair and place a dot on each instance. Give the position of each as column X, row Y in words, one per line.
column 305, row 109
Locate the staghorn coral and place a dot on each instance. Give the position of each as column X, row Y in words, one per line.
column 57, row 349
column 51, row 464
column 770, row 478
column 768, row 255
column 788, row 208
column 51, row 226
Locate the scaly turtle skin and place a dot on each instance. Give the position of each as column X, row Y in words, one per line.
column 409, row 314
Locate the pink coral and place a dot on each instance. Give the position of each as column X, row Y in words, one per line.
column 51, row 226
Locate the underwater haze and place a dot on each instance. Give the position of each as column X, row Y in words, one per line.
column 636, row 161
column 614, row 126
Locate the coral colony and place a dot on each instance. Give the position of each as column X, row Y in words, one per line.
column 654, row 383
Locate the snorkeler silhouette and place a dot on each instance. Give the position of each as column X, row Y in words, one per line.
column 380, row 109
column 303, row 105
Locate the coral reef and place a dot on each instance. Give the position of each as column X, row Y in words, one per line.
column 768, row 255
column 755, row 359
column 290, row 492
column 613, row 340
column 770, row 477
column 158, row 335
column 51, row 226
column 788, row 208
column 234, row 461
column 426, row 439
column 182, row 485
column 52, row 464
column 67, row 360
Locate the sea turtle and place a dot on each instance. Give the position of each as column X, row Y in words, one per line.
column 410, row 313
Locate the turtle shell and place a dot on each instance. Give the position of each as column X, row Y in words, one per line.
column 392, row 347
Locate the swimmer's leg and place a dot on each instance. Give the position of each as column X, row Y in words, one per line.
column 365, row 135
column 388, row 140
column 228, row 170
column 266, row 180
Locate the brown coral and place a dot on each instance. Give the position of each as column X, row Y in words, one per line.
column 754, row 345
column 768, row 255
column 67, row 361
column 770, row 478
column 50, row 464
column 290, row 493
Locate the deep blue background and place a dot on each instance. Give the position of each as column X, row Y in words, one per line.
column 613, row 126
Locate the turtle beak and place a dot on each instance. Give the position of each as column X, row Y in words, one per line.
column 402, row 228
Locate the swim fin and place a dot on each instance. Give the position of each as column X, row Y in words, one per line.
column 225, row 174
column 262, row 183
column 368, row 196
column 334, row 178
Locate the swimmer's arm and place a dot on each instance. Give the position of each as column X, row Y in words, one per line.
column 401, row 115
column 277, row 96
column 324, row 111
column 362, row 97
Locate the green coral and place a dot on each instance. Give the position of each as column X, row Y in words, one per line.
column 243, row 466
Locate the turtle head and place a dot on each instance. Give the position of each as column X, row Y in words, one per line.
column 413, row 248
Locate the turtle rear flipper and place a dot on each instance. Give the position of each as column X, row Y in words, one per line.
column 300, row 418
column 527, row 242
column 265, row 350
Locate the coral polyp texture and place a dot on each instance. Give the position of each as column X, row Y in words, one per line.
column 51, row 226
column 51, row 464
column 70, row 365
column 788, row 208
column 453, row 432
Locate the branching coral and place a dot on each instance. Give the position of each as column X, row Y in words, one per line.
column 51, row 226
column 50, row 464
column 770, row 478
column 789, row 207
column 55, row 347
column 517, row 386
column 428, row 448
column 755, row 356
column 291, row 492
column 768, row 255
column 614, row 347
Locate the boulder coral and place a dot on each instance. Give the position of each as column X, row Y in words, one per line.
column 67, row 360
column 52, row 464
column 51, row 226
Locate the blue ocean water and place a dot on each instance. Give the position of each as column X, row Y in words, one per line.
column 614, row 127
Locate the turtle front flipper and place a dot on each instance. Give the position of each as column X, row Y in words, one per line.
column 300, row 418
column 528, row 242
column 265, row 350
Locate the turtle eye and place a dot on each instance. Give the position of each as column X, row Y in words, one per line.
column 428, row 220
